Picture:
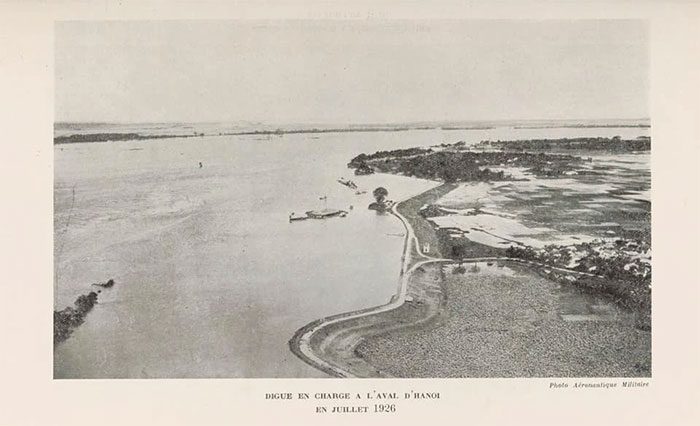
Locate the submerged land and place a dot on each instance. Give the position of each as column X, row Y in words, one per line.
column 509, row 245
column 113, row 137
column 487, row 289
column 130, row 136
column 501, row 319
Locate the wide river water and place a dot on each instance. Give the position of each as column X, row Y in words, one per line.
column 211, row 278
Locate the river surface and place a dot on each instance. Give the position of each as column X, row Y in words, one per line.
column 211, row 278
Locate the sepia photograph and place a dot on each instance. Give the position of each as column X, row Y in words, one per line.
column 466, row 198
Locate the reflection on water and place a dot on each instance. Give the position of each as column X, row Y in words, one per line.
column 211, row 278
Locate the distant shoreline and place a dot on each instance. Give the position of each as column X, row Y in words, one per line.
column 589, row 126
column 116, row 136
column 112, row 137
column 119, row 137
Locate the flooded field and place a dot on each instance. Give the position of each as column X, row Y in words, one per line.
column 503, row 320
column 211, row 278
column 609, row 197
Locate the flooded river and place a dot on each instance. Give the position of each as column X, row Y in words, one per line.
column 211, row 278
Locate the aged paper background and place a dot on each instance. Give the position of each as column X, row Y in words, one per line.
column 28, row 395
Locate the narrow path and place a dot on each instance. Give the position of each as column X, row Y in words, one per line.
column 324, row 341
column 300, row 343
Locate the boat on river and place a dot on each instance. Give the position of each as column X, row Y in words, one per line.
column 350, row 184
column 325, row 213
column 293, row 217
column 318, row 214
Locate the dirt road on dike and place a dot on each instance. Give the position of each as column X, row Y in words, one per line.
column 329, row 343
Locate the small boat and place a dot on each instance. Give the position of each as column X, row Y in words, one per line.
column 348, row 183
column 325, row 213
column 108, row 284
column 293, row 218
column 360, row 192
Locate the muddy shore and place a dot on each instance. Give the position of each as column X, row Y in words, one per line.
column 473, row 324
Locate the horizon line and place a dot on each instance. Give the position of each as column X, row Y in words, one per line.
column 388, row 123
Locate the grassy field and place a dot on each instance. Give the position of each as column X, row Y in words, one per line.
column 422, row 228
column 506, row 321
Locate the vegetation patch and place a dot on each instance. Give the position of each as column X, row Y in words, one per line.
column 458, row 165
column 67, row 320
column 614, row 144
column 113, row 137
column 462, row 247
column 620, row 268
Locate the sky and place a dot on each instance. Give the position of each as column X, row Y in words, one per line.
column 281, row 72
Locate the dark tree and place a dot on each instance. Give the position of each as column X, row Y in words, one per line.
column 380, row 194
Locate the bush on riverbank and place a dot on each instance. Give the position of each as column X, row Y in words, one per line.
column 364, row 169
column 460, row 248
column 464, row 166
column 363, row 158
column 622, row 269
column 614, row 144
column 431, row 210
column 113, row 137
column 68, row 319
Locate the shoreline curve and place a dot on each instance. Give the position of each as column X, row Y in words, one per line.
column 310, row 342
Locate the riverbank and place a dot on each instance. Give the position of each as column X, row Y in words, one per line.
column 163, row 229
column 328, row 344
column 488, row 318
column 423, row 230
column 483, row 327
column 125, row 136
column 144, row 213
column 504, row 320
column 114, row 137
column 67, row 320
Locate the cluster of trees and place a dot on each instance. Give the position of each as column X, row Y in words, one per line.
column 449, row 167
column 431, row 210
column 525, row 253
column 380, row 195
column 113, row 137
column 96, row 137
column 364, row 169
column 614, row 144
column 618, row 266
column 625, row 276
column 464, row 166
column 460, row 248
column 396, row 153
column 65, row 321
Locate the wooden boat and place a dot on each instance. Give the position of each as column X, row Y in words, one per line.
column 108, row 284
column 348, row 183
column 293, row 218
column 325, row 213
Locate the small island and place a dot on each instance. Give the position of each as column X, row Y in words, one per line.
column 455, row 163
column 613, row 145
column 115, row 137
